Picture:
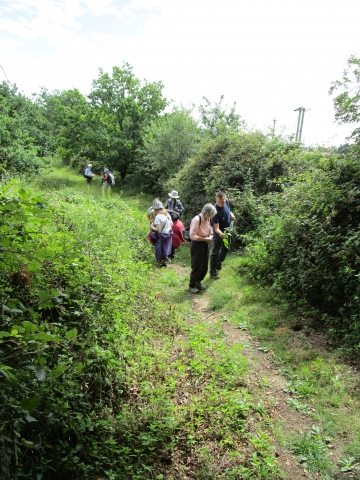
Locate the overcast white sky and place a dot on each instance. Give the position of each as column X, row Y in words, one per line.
column 270, row 57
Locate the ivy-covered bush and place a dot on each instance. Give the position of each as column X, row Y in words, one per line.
column 243, row 165
column 308, row 247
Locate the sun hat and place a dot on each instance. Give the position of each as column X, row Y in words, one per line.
column 106, row 170
column 173, row 194
column 158, row 205
column 89, row 165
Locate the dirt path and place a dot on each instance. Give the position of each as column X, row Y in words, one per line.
column 265, row 383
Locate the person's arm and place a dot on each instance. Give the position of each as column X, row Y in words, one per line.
column 232, row 217
column 218, row 231
column 180, row 208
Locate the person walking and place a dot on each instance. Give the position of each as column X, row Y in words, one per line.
column 88, row 174
column 162, row 224
column 173, row 203
column 201, row 238
column 220, row 222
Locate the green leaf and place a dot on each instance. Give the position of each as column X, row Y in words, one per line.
column 40, row 374
column 59, row 370
column 27, row 443
column 80, row 366
column 29, row 326
column 30, row 419
column 31, row 404
column 71, row 334
column 46, row 337
column 5, row 334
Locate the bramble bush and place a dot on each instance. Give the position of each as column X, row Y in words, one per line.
column 308, row 247
column 245, row 166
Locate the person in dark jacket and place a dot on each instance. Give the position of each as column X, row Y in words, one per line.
column 173, row 203
column 220, row 222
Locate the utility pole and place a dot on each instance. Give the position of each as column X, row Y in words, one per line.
column 274, row 120
column 298, row 123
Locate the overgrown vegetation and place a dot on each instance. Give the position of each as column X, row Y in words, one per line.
column 92, row 381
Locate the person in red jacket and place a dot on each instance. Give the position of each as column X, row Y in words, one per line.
column 177, row 228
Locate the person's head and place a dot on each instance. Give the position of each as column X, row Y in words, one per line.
column 89, row 165
column 220, row 199
column 208, row 210
column 173, row 194
column 174, row 215
column 157, row 205
column 106, row 170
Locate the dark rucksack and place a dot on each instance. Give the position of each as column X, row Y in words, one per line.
column 186, row 231
column 85, row 176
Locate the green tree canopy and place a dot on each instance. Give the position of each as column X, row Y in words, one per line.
column 347, row 102
column 126, row 106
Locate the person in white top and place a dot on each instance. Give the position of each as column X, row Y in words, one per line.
column 163, row 225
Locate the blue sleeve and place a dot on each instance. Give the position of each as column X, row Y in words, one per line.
column 180, row 206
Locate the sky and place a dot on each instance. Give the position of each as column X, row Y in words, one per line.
column 270, row 57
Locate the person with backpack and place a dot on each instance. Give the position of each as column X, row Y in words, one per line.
column 201, row 238
column 173, row 203
column 220, row 222
column 162, row 224
column 88, row 174
column 107, row 178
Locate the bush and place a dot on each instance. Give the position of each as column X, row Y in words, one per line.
column 308, row 249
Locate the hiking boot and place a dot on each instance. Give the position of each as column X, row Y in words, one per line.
column 194, row 290
column 214, row 276
column 200, row 287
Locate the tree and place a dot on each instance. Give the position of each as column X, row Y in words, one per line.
column 126, row 107
column 347, row 103
column 168, row 143
column 218, row 119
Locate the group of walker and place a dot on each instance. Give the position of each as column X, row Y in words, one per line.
column 208, row 227
column 107, row 177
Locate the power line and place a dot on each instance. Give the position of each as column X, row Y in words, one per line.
column 4, row 73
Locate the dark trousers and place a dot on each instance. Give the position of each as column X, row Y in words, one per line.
column 199, row 262
column 89, row 180
column 218, row 253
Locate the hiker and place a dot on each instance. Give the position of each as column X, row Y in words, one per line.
column 201, row 238
column 220, row 222
column 177, row 228
column 173, row 203
column 106, row 178
column 162, row 225
column 88, row 174
column 151, row 212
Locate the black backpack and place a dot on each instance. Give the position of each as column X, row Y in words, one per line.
column 85, row 176
column 186, row 231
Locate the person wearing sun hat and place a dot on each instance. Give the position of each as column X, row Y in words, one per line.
column 173, row 203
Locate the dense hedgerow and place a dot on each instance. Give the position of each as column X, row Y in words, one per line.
column 245, row 166
column 308, row 247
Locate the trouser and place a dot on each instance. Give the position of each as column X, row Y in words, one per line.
column 199, row 262
column 218, row 253
column 89, row 180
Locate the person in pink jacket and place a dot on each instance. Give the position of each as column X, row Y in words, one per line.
column 201, row 238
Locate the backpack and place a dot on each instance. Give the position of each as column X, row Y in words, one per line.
column 85, row 176
column 186, row 231
column 111, row 179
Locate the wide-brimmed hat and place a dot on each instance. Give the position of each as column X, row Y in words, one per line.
column 173, row 194
column 158, row 205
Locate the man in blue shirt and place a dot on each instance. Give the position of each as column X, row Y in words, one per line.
column 220, row 222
